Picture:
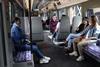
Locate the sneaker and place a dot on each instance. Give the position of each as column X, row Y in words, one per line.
column 80, row 58
column 74, row 53
column 44, row 61
column 47, row 58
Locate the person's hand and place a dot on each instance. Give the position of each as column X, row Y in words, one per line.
column 27, row 35
column 28, row 41
column 77, row 29
column 78, row 39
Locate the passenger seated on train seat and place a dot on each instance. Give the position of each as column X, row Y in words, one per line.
column 82, row 26
column 53, row 24
column 85, row 39
column 56, row 31
column 21, row 43
column 58, row 28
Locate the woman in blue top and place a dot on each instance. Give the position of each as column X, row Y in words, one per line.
column 21, row 43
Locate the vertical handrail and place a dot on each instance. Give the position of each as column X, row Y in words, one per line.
column 56, row 10
column 30, row 20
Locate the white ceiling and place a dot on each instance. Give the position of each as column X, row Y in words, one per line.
column 67, row 3
column 64, row 3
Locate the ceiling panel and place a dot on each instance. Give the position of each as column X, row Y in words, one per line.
column 67, row 3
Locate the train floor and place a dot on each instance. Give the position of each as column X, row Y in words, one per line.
column 59, row 58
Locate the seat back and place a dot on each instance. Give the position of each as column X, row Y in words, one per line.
column 37, row 30
column 64, row 28
column 77, row 20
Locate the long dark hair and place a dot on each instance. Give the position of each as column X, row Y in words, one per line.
column 85, row 19
column 17, row 19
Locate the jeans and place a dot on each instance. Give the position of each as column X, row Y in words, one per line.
column 54, row 34
column 34, row 49
column 72, row 36
column 70, row 42
column 70, row 39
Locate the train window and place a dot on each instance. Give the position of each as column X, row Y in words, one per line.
column 2, row 46
column 90, row 12
column 98, row 17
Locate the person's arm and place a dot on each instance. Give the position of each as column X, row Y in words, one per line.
column 78, row 27
column 85, row 31
column 16, row 35
column 27, row 40
column 25, row 37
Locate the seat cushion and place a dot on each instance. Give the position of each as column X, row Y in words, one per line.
column 23, row 56
column 94, row 50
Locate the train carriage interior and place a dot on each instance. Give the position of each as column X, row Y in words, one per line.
column 49, row 33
